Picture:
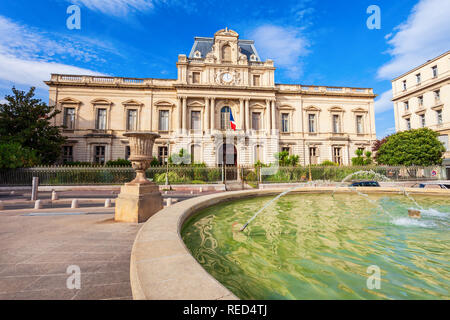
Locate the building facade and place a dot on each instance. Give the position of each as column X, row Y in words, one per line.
column 223, row 78
column 422, row 99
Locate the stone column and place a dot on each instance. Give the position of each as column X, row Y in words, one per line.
column 247, row 114
column 179, row 117
column 206, row 121
column 268, row 115
column 241, row 112
column 184, row 114
column 274, row 123
column 213, row 106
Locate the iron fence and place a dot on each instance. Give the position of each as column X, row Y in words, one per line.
column 67, row 175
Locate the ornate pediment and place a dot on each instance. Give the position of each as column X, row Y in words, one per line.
column 226, row 32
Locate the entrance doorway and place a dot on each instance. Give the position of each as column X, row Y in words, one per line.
column 227, row 156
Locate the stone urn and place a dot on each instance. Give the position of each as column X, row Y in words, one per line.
column 139, row 199
column 141, row 146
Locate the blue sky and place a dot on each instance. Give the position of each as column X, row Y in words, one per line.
column 314, row 42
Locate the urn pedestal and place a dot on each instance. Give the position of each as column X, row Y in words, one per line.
column 139, row 199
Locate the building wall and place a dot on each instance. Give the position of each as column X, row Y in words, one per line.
column 218, row 83
column 426, row 88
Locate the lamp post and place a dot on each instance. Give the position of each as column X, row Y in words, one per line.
column 167, row 163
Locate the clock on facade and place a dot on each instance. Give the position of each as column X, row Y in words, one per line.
column 226, row 77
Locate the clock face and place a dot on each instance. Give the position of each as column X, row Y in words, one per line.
column 226, row 77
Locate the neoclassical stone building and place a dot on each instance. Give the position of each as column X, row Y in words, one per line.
column 222, row 77
column 421, row 99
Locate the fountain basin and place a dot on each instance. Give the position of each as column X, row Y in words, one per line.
column 162, row 266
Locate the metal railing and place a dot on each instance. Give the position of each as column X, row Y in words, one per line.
column 102, row 175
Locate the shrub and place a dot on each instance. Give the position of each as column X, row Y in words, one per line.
column 329, row 163
column 13, row 155
column 118, row 163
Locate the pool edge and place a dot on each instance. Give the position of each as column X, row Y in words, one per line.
column 162, row 267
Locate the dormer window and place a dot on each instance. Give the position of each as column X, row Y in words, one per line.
column 195, row 77
column 256, row 80
column 253, row 58
column 226, row 53
column 197, row 54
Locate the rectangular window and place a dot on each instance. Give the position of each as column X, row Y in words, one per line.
column 408, row 123
column 439, row 116
column 418, row 78
column 406, row 104
column 444, row 140
column 132, row 120
column 434, row 69
column 404, row 85
column 196, row 77
column 196, row 153
column 256, row 80
column 127, row 152
column 420, row 101
column 422, row 120
column 337, row 155
column 196, row 120
column 162, row 155
column 69, row 118
column 287, row 149
column 256, row 120
column 437, row 96
column 359, row 124
column 67, row 154
column 312, row 123
column 336, row 124
column 164, row 120
column 313, row 155
column 99, row 154
column 101, row 119
column 285, row 122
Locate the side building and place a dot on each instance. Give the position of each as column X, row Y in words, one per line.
column 421, row 99
column 222, row 77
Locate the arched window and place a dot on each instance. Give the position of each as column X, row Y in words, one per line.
column 226, row 53
column 225, row 118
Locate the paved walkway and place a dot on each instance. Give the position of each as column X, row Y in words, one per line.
column 35, row 252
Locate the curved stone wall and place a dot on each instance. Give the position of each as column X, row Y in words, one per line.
column 162, row 267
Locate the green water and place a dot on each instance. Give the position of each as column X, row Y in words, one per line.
column 314, row 246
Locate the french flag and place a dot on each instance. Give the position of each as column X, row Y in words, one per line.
column 232, row 122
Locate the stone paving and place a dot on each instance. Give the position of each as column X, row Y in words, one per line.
column 35, row 252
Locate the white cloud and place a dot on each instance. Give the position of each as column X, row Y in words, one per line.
column 424, row 35
column 28, row 56
column 284, row 45
column 383, row 102
column 33, row 73
column 116, row 7
column 3, row 101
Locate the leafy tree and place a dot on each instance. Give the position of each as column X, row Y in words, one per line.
column 359, row 160
column 13, row 155
column 418, row 147
column 26, row 120
column 377, row 144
